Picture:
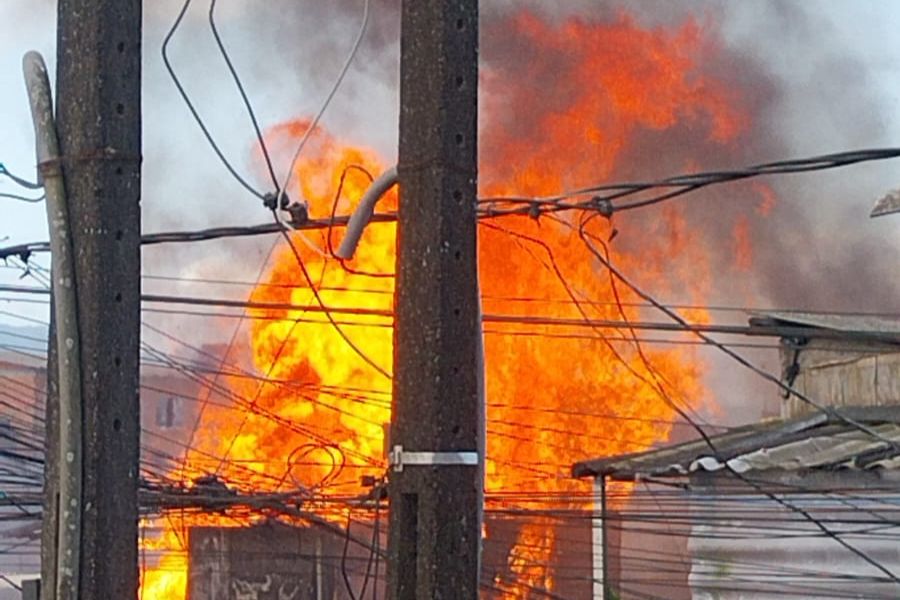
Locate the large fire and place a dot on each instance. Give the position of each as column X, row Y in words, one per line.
column 556, row 394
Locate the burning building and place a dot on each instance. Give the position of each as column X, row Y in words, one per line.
column 303, row 409
column 273, row 561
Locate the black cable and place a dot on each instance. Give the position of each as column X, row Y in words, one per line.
column 698, row 329
column 602, row 204
column 675, row 316
column 544, row 205
column 201, row 235
column 729, row 352
column 328, row 241
column 373, row 555
column 193, row 110
column 696, row 181
column 553, row 267
column 19, row 180
column 11, row 582
column 321, row 303
column 244, row 97
column 22, row 198
column 344, row 574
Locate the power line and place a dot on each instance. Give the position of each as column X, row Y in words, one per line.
column 20, row 181
column 193, row 110
column 600, row 197
column 676, row 327
column 237, row 81
column 22, row 198
column 586, row 239
column 493, row 207
column 527, row 299
column 334, row 88
column 213, row 233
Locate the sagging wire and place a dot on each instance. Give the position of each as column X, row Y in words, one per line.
column 209, row 389
column 700, row 431
column 237, row 81
column 586, row 238
column 639, row 347
column 553, row 267
column 325, row 309
column 603, row 203
column 314, row 289
column 299, row 210
column 334, row 88
column 521, row 206
column 193, row 110
column 23, row 183
column 22, row 198
column 20, row 180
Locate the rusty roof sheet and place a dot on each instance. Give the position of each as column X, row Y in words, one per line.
column 809, row 442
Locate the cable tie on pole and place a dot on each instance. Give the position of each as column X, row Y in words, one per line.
column 400, row 458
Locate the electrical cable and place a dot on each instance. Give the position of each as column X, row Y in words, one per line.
column 193, row 110
column 237, row 81
column 326, row 310
column 334, row 88
column 19, row 180
column 675, row 316
column 602, row 204
column 22, row 198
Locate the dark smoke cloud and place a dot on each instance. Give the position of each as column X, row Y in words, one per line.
column 804, row 95
column 804, row 90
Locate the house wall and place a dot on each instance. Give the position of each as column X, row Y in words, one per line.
column 645, row 557
column 273, row 561
column 745, row 545
column 841, row 373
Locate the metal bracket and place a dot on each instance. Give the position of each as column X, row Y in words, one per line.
column 400, row 458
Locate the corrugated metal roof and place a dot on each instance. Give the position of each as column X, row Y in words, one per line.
column 874, row 324
column 810, row 442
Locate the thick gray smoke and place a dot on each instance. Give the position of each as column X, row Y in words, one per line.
column 805, row 89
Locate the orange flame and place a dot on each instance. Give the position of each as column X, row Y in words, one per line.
column 556, row 393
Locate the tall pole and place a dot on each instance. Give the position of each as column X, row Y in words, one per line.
column 436, row 477
column 99, row 129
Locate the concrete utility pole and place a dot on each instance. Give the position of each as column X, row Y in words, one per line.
column 436, row 479
column 99, row 129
